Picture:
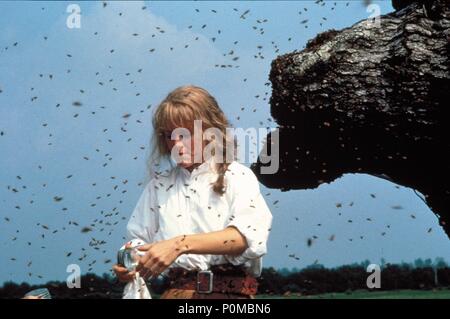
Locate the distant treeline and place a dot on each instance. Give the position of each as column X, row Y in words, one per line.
column 315, row 279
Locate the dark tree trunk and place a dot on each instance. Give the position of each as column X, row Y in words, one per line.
column 368, row 99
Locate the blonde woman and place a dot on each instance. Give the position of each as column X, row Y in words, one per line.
column 204, row 219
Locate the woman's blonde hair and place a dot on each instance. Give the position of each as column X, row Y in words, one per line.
column 182, row 106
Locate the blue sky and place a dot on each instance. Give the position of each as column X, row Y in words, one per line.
column 86, row 154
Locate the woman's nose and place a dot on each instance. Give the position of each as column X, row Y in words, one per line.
column 178, row 144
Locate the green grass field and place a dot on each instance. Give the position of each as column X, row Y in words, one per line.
column 364, row 294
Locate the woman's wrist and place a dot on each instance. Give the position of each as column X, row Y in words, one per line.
column 181, row 245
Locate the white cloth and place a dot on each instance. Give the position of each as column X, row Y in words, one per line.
column 183, row 203
column 137, row 288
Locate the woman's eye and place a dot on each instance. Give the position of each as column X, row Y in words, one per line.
column 165, row 135
column 168, row 136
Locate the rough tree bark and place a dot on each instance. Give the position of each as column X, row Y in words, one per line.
column 368, row 99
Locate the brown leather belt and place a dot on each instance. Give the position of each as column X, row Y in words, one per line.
column 220, row 279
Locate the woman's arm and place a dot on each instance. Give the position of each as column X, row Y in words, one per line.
column 162, row 254
column 225, row 242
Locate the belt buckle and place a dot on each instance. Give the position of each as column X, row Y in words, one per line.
column 205, row 281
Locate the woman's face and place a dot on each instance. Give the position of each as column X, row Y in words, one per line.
column 183, row 144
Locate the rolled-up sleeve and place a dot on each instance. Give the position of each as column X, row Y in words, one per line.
column 143, row 222
column 250, row 215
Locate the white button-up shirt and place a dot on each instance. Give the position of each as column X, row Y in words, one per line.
column 183, row 203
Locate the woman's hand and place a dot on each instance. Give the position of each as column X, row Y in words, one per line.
column 158, row 256
column 123, row 274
